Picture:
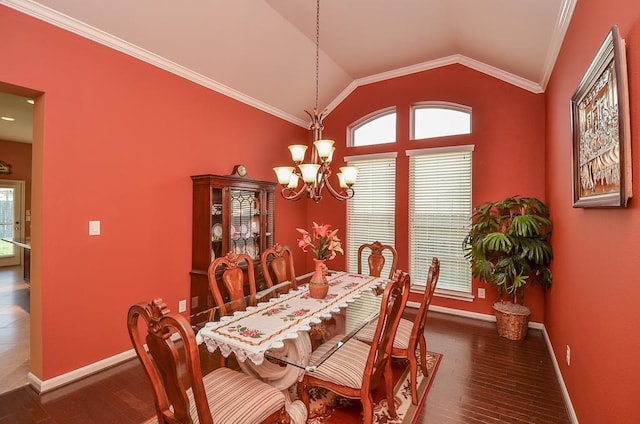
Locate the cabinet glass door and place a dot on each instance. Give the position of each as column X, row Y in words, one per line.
column 245, row 224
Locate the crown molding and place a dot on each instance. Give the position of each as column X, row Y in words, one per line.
column 438, row 63
column 75, row 26
column 452, row 60
column 564, row 18
column 562, row 25
column 58, row 19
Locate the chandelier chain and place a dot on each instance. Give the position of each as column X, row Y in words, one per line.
column 317, row 49
column 315, row 175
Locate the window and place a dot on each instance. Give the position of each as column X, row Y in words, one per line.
column 376, row 128
column 371, row 212
column 429, row 120
column 439, row 214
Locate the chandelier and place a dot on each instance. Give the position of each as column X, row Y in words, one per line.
column 312, row 177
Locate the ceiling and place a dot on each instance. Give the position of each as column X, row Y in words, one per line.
column 262, row 52
column 17, row 108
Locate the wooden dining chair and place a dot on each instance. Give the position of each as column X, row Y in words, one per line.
column 226, row 272
column 281, row 267
column 376, row 259
column 181, row 393
column 410, row 334
column 355, row 369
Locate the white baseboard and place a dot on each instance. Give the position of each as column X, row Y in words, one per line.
column 565, row 393
column 473, row 315
column 536, row 325
column 53, row 383
column 461, row 313
column 61, row 380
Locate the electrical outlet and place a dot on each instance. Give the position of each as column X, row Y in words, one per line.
column 182, row 305
column 194, row 302
column 94, row 228
column 568, row 355
column 481, row 293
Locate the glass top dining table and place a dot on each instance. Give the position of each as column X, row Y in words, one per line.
column 281, row 326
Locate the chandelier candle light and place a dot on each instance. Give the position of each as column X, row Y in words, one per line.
column 315, row 174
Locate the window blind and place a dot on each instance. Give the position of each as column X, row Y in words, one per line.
column 371, row 211
column 439, row 214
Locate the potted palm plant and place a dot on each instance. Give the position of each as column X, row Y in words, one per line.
column 509, row 248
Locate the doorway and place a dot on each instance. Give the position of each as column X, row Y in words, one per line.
column 12, row 214
column 16, row 294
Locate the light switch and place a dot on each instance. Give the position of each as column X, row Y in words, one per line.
column 94, row 228
column 182, row 305
column 481, row 293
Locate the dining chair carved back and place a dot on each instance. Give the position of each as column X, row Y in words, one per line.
column 226, row 271
column 357, row 368
column 410, row 333
column 376, row 259
column 281, row 267
column 181, row 393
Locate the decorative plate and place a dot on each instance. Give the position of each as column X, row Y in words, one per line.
column 244, row 231
column 217, row 230
column 255, row 224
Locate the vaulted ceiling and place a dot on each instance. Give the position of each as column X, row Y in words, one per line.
column 262, row 52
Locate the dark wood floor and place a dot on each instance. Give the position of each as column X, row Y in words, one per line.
column 482, row 379
column 14, row 328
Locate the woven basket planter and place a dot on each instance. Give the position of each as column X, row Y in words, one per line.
column 512, row 321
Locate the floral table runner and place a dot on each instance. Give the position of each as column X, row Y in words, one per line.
column 250, row 333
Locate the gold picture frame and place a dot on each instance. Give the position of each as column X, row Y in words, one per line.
column 5, row 168
column 601, row 130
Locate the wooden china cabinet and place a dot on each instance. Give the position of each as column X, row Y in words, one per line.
column 230, row 213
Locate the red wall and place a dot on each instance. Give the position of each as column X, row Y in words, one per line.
column 120, row 140
column 593, row 306
column 18, row 155
column 508, row 134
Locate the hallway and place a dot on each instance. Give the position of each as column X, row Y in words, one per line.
column 14, row 329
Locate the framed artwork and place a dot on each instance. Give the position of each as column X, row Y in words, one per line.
column 5, row 168
column 601, row 130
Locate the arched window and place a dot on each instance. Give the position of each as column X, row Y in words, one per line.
column 439, row 183
column 376, row 128
column 439, row 119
